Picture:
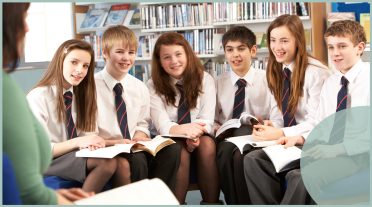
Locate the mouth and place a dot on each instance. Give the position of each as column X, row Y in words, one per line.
column 76, row 77
column 337, row 60
column 280, row 54
column 124, row 65
column 237, row 62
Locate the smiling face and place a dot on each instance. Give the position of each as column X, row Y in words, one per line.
column 173, row 59
column 75, row 67
column 119, row 60
column 239, row 56
column 343, row 53
column 283, row 45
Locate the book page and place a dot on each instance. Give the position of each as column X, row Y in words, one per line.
column 153, row 146
column 144, row 192
column 248, row 119
column 241, row 141
column 106, row 152
column 232, row 123
column 280, row 156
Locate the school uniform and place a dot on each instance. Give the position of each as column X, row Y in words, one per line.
column 265, row 186
column 137, row 100
column 165, row 116
column 356, row 146
column 43, row 101
column 257, row 103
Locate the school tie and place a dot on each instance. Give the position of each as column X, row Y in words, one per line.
column 70, row 126
column 338, row 129
column 239, row 98
column 288, row 119
column 183, row 111
column 121, row 111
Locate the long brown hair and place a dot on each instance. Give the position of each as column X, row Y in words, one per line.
column 14, row 32
column 192, row 76
column 274, row 69
column 84, row 93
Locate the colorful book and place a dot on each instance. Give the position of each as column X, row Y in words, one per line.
column 136, row 18
column 94, row 18
column 365, row 21
column 117, row 14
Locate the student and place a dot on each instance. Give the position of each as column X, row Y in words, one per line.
column 128, row 121
column 345, row 41
column 178, row 77
column 64, row 101
column 295, row 80
column 24, row 140
column 239, row 44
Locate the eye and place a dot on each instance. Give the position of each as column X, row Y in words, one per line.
column 132, row 52
column 74, row 62
column 229, row 50
column 241, row 48
column 86, row 66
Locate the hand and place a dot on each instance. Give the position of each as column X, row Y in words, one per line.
column 264, row 133
column 92, row 142
column 191, row 144
column 268, row 123
column 67, row 196
column 136, row 139
column 290, row 141
column 193, row 130
column 325, row 151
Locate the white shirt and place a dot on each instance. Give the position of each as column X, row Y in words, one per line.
column 137, row 100
column 358, row 95
column 43, row 102
column 315, row 75
column 165, row 116
column 257, row 95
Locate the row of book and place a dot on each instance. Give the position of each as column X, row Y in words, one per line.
column 156, row 16
column 176, row 15
column 117, row 14
column 241, row 11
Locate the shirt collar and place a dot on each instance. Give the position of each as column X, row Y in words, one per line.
column 249, row 76
column 353, row 72
column 290, row 66
column 54, row 89
column 111, row 81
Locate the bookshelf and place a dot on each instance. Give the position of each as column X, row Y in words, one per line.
column 204, row 23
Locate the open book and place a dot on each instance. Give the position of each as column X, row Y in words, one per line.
column 153, row 146
column 144, row 192
column 241, row 141
column 282, row 158
column 244, row 119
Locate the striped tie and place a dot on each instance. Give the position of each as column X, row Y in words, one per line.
column 289, row 120
column 239, row 98
column 70, row 126
column 338, row 129
column 183, row 111
column 121, row 111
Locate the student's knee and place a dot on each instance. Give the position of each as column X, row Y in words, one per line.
column 108, row 166
column 123, row 165
column 207, row 147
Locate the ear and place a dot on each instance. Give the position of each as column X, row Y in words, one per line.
column 254, row 50
column 105, row 54
column 361, row 46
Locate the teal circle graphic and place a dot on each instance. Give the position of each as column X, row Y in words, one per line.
column 335, row 160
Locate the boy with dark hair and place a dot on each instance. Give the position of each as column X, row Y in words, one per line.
column 248, row 88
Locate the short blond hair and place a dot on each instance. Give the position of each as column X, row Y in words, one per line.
column 344, row 28
column 119, row 34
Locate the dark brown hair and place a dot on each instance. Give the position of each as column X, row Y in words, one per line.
column 84, row 93
column 241, row 34
column 14, row 25
column 274, row 69
column 192, row 76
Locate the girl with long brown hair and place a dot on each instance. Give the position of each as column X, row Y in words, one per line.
column 183, row 100
column 64, row 101
column 295, row 80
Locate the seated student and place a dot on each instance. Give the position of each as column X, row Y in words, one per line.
column 24, row 140
column 183, row 102
column 345, row 41
column 244, row 89
column 124, row 108
column 295, row 80
column 64, row 101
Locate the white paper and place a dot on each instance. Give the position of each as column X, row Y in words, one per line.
column 280, row 156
